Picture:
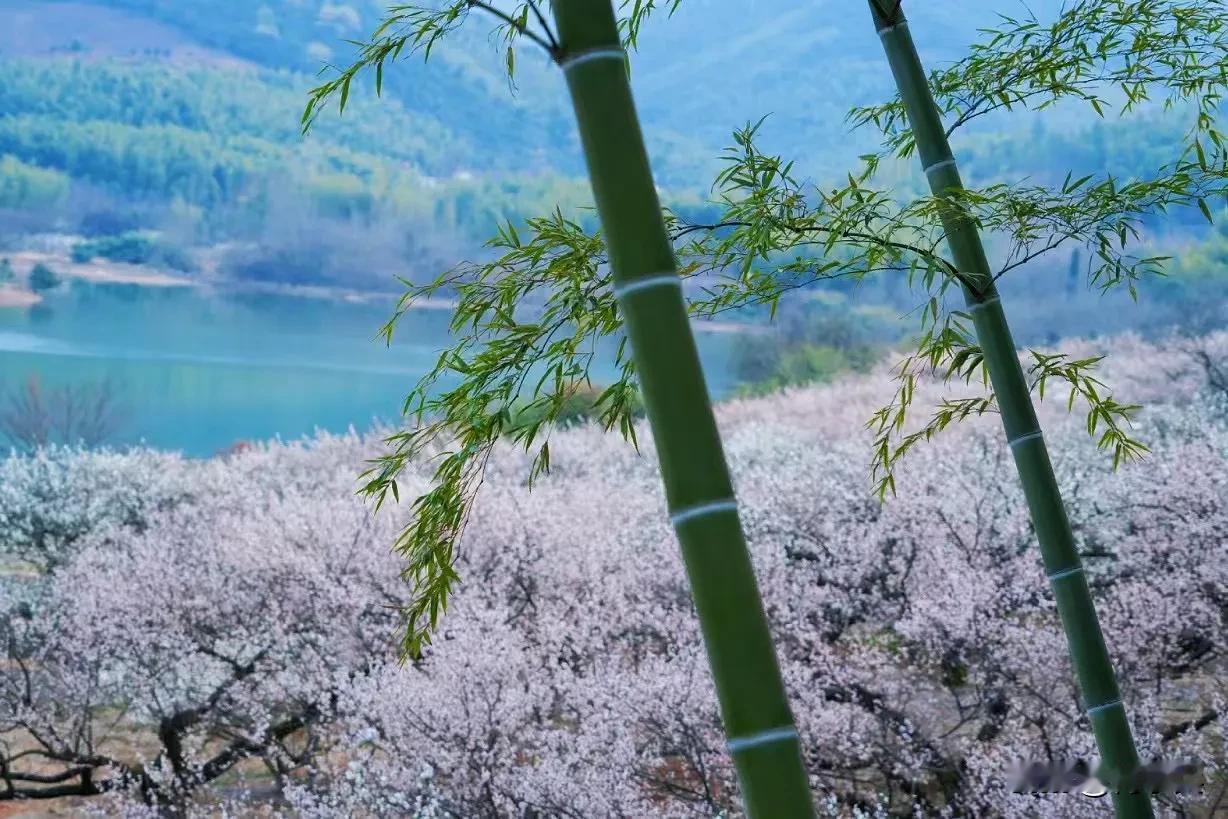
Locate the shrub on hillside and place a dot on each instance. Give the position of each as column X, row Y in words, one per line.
column 134, row 248
column 43, row 277
column 579, row 407
column 812, row 342
column 34, row 415
column 804, row 364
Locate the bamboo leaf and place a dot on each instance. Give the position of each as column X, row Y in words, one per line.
column 345, row 93
column 1206, row 211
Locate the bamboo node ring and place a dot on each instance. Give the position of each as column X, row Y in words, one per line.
column 647, row 282
column 786, row 733
column 1065, row 573
column 1095, row 709
column 892, row 27
column 703, row 509
column 1023, row 439
column 942, row 163
column 972, row 308
column 610, row 53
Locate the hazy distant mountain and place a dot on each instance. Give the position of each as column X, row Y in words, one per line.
column 712, row 66
column 184, row 116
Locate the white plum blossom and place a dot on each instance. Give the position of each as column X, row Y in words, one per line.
column 181, row 622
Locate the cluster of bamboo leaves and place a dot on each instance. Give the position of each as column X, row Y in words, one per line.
column 529, row 321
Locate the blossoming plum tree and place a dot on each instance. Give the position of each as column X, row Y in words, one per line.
column 250, row 625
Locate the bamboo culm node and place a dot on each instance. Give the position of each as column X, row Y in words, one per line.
column 1073, row 570
column 572, row 60
column 702, row 510
column 646, row 282
column 786, row 734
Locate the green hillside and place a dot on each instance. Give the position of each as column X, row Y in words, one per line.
column 698, row 75
column 214, row 138
column 104, row 145
column 185, row 117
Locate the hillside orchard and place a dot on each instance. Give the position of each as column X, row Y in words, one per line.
column 169, row 623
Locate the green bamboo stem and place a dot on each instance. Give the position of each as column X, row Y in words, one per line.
column 1089, row 655
column 762, row 737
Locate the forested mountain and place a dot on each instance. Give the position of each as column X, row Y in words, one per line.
column 122, row 114
column 210, row 138
column 699, row 74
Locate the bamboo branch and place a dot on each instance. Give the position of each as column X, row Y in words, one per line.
column 550, row 46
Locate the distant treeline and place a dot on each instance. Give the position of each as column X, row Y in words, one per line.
column 24, row 186
column 1044, row 153
column 105, row 147
column 217, row 141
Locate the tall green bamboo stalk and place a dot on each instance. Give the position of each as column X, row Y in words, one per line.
column 762, row 738
column 1089, row 655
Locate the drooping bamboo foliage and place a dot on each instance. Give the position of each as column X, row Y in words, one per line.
column 763, row 740
column 1089, row 654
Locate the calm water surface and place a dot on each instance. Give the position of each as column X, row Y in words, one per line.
column 200, row 371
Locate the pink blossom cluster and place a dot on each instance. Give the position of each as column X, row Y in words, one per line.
column 183, row 620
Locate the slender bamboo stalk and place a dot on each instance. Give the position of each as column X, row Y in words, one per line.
column 762, row 738
column 1089, row 655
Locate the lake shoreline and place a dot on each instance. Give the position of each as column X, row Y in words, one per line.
column 99, row 271
column 18, row 297
column 194, row 370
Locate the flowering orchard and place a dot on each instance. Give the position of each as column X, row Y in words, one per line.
column 185, row 635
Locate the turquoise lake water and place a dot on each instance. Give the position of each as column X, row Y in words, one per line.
column 199, row 371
